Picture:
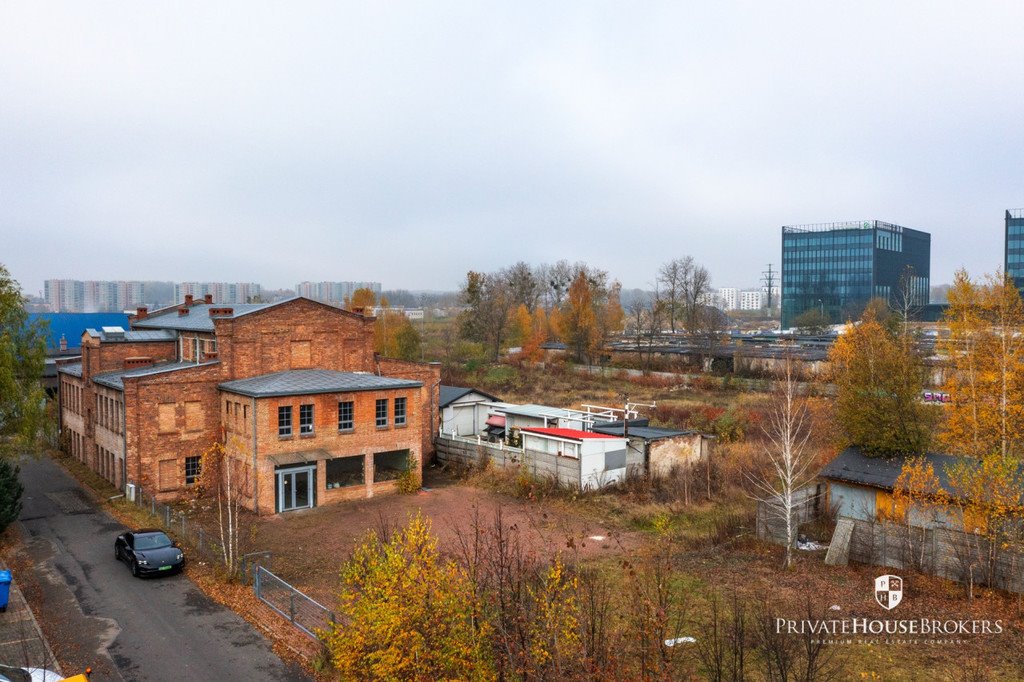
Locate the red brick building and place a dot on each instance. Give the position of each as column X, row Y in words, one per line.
column 306, row 411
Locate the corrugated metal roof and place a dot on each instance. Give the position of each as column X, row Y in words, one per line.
column 537, row 411
column 114, row 379
column 71, row 325
column 310, row 381
column 567, row 434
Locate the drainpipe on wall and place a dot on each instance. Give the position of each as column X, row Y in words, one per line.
column 124, row 445
column 255, row 471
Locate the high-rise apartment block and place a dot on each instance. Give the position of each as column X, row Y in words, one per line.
column 334, row 292
column 92, row 296
column 222, row 292
column 838, row 267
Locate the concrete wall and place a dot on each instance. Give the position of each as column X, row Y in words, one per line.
column 679, row 451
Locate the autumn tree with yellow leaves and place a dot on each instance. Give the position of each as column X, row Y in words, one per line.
column 407, row 613
column 985, row 376
column 879, row 379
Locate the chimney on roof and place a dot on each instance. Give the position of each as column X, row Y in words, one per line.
column 209, row 355
column 141, row 313
column 139, row 361
column 208, row 299
column 182, row 311
column 63, row 343
column 222, row 312
column 188, row 299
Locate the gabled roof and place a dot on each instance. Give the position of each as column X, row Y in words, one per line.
column 567, row 434
column 115, row 379
column 449, row 394
column 312, row 381
column 198, row 318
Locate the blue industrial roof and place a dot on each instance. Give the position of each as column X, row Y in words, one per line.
column 310, row 381
column 71, row 325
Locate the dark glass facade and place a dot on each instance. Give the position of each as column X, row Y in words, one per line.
column 838, row 267
column 1014, row 257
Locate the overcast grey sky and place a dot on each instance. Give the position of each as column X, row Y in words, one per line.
column 408, row 143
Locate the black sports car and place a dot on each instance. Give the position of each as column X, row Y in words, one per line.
column 149, row 552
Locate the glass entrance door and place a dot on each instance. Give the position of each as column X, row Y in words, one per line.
column 295, row 489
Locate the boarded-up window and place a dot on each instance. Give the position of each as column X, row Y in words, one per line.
column 168, row 474
column 300, row 354
column 616, row 459
column 193, row 415
column 166, row 420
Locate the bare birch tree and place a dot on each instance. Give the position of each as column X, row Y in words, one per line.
column 224, row 482
column 788, row 429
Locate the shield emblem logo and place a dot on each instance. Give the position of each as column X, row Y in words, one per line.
column 888, row 591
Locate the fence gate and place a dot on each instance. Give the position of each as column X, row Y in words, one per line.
column 302, row 611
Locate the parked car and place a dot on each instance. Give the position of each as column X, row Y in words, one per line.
column 149, row 552
column 14, row 674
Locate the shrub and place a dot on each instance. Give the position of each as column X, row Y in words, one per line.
column 10, row 493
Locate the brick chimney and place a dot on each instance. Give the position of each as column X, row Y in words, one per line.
column 359, row 310
column 63, row 343
column 182, row 311
column 207, row 356
column 141, row 313
column 222, row 312
column 188, row 299
column 139, row 361
column 208, row 299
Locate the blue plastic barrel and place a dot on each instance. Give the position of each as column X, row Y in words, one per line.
column 5, row 589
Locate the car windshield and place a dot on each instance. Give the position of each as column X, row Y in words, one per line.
column 152, row 541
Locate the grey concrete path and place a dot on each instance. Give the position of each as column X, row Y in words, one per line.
column 128, row 628
column 22, row 643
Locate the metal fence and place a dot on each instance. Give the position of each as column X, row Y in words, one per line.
column 301, row 611
column 206, row 545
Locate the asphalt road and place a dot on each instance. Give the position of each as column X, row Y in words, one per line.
column 128, row 628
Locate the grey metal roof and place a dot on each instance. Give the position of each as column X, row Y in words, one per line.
column 74, row 369
column 638, row 428
column 114, row 379
column 198, row 318
column 531, row 410
column 449, row 394
column 310, row 381
column 106, row 336
column 853, row 466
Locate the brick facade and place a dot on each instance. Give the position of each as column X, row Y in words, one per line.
column 143, row 431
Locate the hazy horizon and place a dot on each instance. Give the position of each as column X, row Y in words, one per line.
column 408, row 144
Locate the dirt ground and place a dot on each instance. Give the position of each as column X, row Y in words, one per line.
column 309, row 546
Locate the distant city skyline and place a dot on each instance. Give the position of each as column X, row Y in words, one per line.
column 409, row 145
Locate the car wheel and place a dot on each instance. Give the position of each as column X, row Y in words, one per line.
column 135, row 569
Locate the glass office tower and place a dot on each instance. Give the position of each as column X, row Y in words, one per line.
column 1014, row 256
column 838, row 267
